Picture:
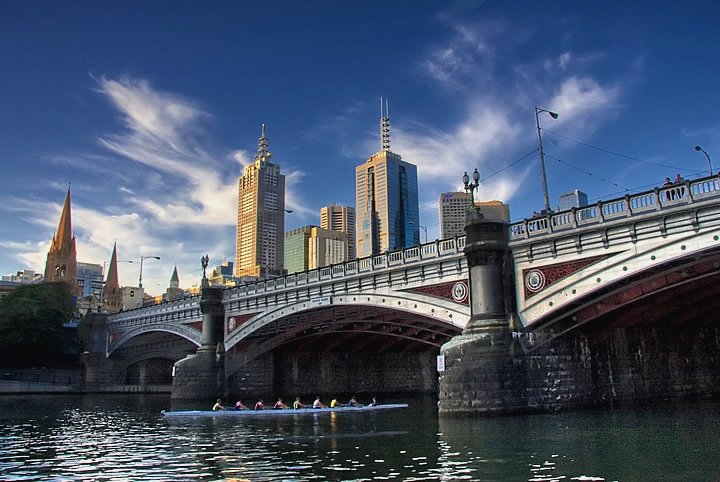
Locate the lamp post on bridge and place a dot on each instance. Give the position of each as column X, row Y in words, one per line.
column 554, row 115
column 143, row 258
column 700, row 149
column 420, row 226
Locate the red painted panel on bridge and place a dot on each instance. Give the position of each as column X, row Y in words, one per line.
column 196, row 326
column 554, row 272
column 456, row 291
column 236, row 321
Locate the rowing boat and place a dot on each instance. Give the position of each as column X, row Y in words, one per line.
column 272, row 412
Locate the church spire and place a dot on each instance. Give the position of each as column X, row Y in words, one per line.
column 263, row 153
column 112, row 298
column 63, row 236
column 111, row 280
column 384, row 125
column 61, row 264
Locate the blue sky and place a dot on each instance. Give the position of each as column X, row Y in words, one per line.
column 151, row 110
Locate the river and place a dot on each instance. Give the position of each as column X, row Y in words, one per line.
column 124, row 437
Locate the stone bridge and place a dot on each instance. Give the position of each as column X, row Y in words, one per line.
column 648, row 258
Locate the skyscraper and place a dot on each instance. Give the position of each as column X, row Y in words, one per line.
column 61, row 264
column 572, row 199
column 340, row 218
column 454, row 206
column 261, row 217
column 386, row 199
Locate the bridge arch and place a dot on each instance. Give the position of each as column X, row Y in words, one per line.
column 680, row 291
column 182, row 331
column 347, row 327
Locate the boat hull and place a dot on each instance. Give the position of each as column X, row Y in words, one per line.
column 273, row 412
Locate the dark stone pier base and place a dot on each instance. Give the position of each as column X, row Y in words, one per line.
column 201, row 376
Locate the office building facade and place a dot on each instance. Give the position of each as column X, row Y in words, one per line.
column 342, row 219
column 573, row 199
column 312, row 247
column 386, row 201
column 90, row 279
column 454, row 205
column 261, row 217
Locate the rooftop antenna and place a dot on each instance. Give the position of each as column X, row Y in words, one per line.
column 385, row 125
column 263, row 152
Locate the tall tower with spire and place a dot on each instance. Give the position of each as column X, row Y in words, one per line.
column 61, row 264
column 112, row 298
column 386, row 199
column 261, row 217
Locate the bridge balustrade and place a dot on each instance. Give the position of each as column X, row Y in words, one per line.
column 627, row 206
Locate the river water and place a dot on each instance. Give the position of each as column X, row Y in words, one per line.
column 124, row 437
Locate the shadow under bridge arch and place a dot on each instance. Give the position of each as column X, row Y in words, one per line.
column 343, row 329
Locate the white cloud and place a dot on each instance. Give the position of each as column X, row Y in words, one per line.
column 583, row 104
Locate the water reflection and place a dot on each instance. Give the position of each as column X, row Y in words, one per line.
column 126, row 438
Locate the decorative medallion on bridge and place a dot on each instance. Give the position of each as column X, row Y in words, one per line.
column 449, row 291
column 235, row 321
column 537, row 279
column 460, row 292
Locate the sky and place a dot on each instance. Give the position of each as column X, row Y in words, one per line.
column 150, row 111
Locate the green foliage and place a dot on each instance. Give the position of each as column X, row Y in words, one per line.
column 31, row 319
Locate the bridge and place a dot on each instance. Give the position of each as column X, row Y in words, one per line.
column 614, row 262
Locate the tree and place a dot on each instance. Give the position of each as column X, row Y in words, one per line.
column 31, row 319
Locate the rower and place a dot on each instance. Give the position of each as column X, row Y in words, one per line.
column 318, row 404
column 259, row 405
column 239, row 406
column 218, row 406
column 298, row 404
column 280, row 405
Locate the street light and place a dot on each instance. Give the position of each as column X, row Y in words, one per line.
column 471, row 186
column 420, row 226
column 143, row 258
column 700, row 149
column 554, row 115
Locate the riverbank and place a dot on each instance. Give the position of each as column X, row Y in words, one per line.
column 63, row 381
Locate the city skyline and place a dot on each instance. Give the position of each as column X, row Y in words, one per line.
column 151, row 114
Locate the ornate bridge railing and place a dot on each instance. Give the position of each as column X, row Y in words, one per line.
column 625, row 207
column 425, row 253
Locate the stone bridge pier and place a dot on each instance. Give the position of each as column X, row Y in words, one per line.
column 648, row 338
column 203, row 372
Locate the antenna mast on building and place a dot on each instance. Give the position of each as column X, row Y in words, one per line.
column 263, row 152
column 385, row 125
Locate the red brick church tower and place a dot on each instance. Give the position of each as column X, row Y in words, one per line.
column 61, row 262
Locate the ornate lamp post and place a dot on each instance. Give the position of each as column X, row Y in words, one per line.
column 471, row 186
column 554, row 115
column 700, row 149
